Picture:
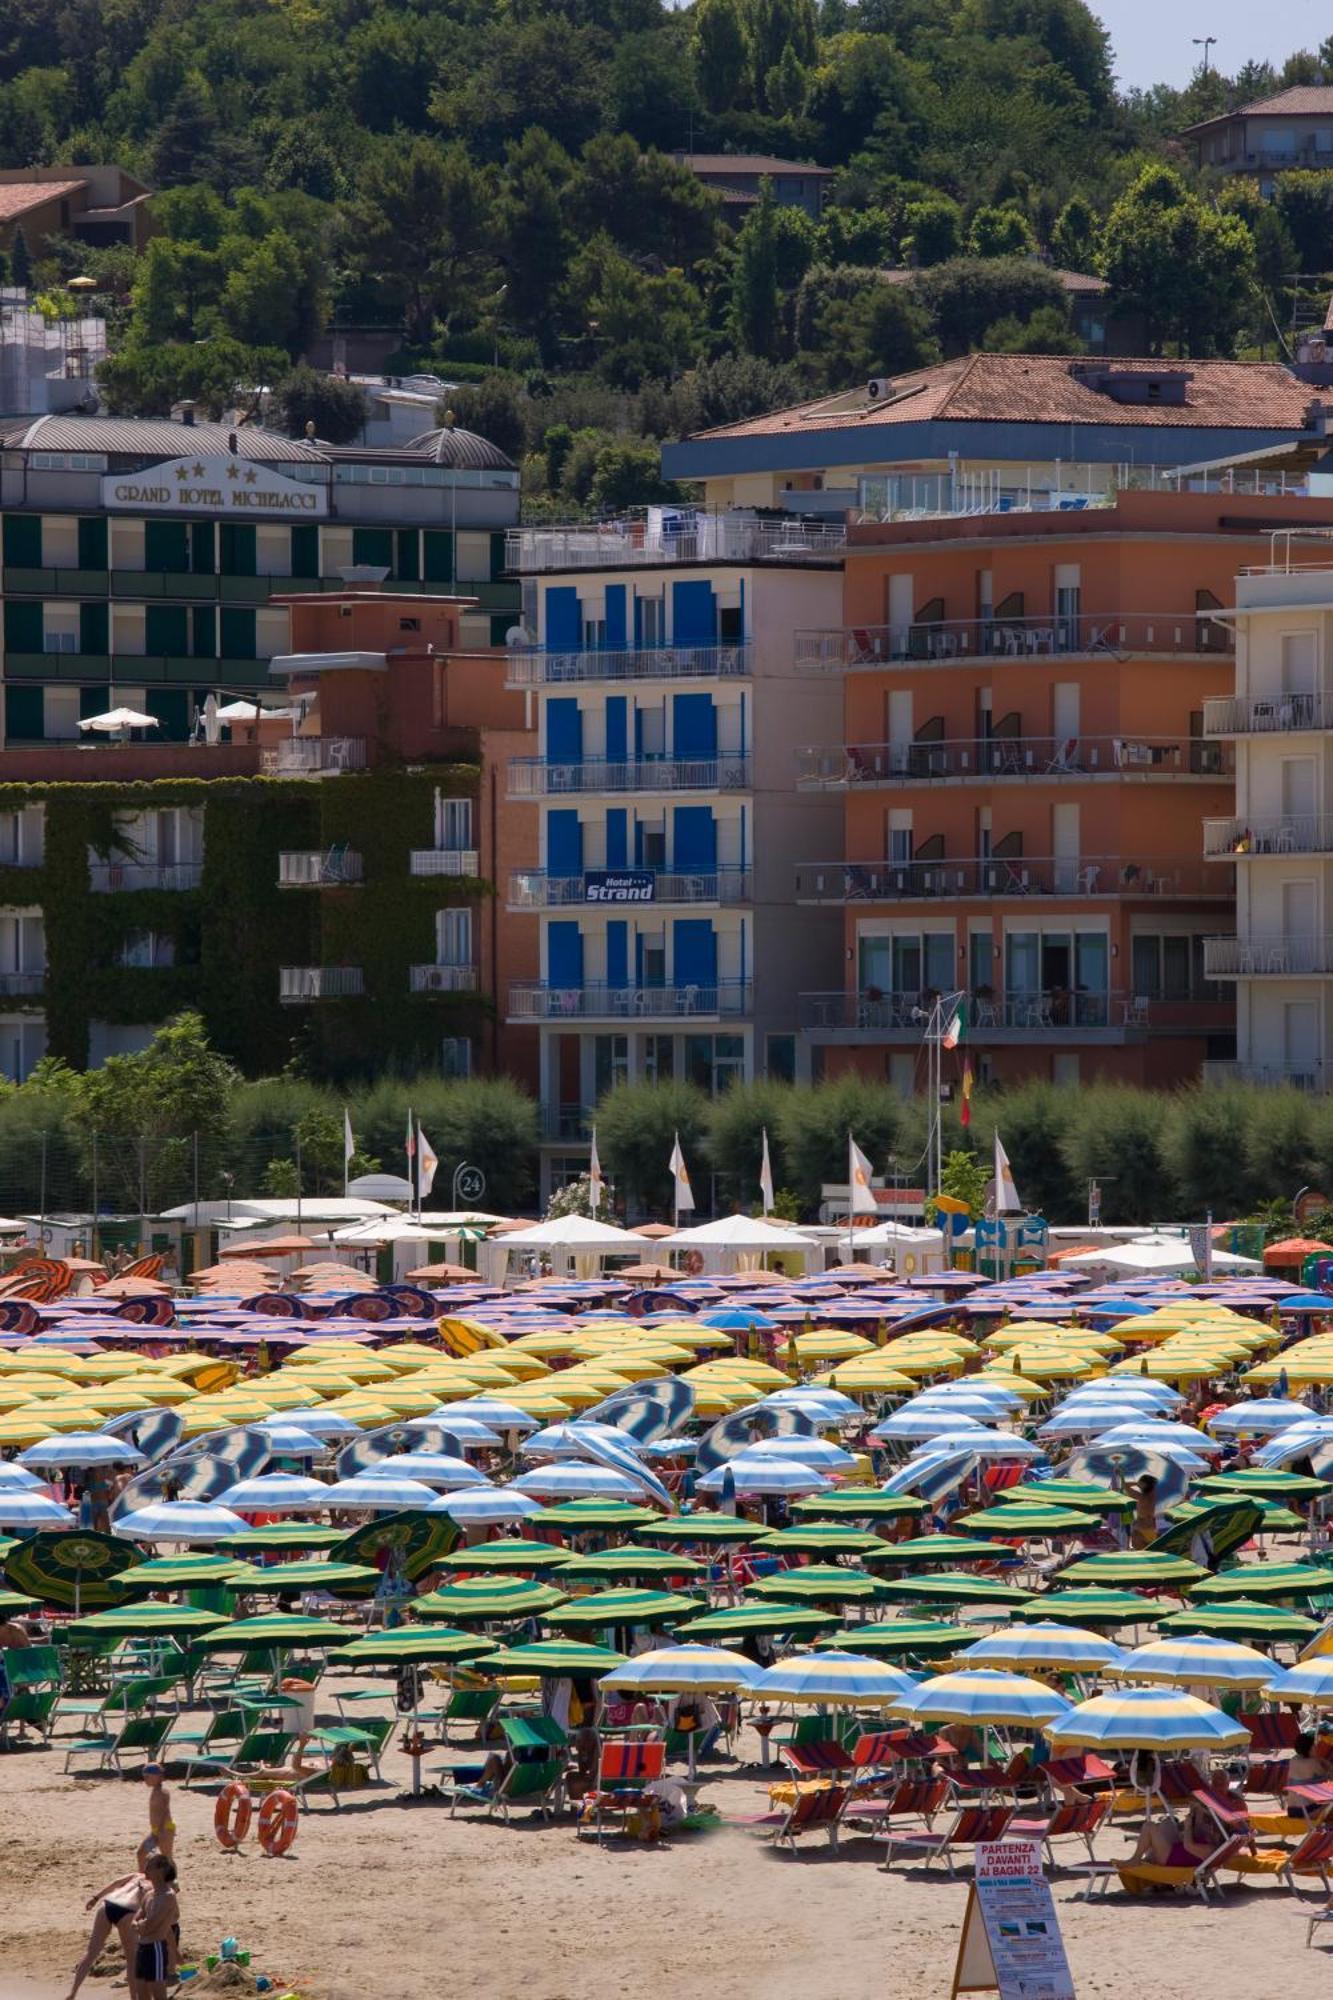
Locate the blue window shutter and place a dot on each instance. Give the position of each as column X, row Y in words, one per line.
column 694, row 726
column 564, row 843
column 617, row 953
column 564, row 731
column 615, row 729
column 564, row 621
column 695, row 952
column 694, row 842
column 615, row 616
column 616, row 844
column 693, row 614
column 564, row 955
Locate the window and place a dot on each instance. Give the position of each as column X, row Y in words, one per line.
column 980, row 961
column 453, row 824
column 456, row 1056
column 60, row 541
column 60, row 714
column 1169, row 968
column 659, row 1058
column 60, row 628
column 453, row 937
column 146, row 949
column 23, row 838
column 652, row 621
column 780, row 1058
column 610, row 1063
column 714, row 1062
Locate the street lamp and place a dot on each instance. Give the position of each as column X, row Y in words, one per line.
column 1204, row 42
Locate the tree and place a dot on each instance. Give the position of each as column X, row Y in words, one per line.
column 967, row 295
column 1046, row 331
column 187, row 135
column 338, row 409
column 1000, row 232
column 1280, row 1143
column 933, row 230
column 720, row 55
column 1189, row 269
column 815, row 1126
column 636, row 1127
column 532, row 218
column 881, row 330
column 494, row 409
column 737, row 386
column 1205, row 1145
column 137, row 1110
column 1115, row 1136
column 20, row 260
column 736, row 1126
column 423, row 225
column 628, row 473
column 754, row 285
column 962, row 1176
column 1304, row 203
column 1076, row 235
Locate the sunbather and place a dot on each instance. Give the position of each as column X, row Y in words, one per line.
column 1306, row 1767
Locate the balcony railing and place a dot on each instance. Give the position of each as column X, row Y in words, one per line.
column 904, row 1015
column 313, row 756
column 298, row 983
column 1314, row 1076
column 1085, row 879
column 443, row 978
column 1295, row 833
column 569, row 1122
column 105, row 877
column 538, row 778
column 946, row 642
column 1272, row 956
column 443, row 861
column 673, row 535
column 18, row 983
column 642, row 663
column 535, row 1001
column 1267, row 715
column 322, row 868
column 536, row 889
column 844, row 767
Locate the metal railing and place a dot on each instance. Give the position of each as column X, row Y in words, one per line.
column 873, row 1012
column 1265, row 715
column 444, row 861
column 842, row 767
column 313, row 756
column 536, row 1001
column 536, row 889
column 443, row 978
column 539, row 778
column 641, row 663
column 105, row 877
column 570, row 1122
column 947, row 641
column 1087, row 878
column 1315, row 1076
column 324, row 868
column 17, row 983
column 674, row 535
column 1276, row 956
column 1294, row 833
column 297, row 983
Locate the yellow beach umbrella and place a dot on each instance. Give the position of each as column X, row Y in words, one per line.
column 828, row 1343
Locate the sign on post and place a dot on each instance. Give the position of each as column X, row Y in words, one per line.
column 1011, row 1942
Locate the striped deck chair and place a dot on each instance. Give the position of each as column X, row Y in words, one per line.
column 1189, row 1875
column 1079, row 1819
column 817, row 1760
column 146, row 1267
column 917, row 1801
column 971, row 1826
column 1082, row 1771
column 624, row 1772
column 809, row 1812
column 1272, row 1730
column 1314, row 1856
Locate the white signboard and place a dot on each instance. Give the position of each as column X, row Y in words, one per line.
column 1011, row 1942
column 229, row 486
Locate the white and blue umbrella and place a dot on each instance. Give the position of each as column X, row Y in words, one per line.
column 825, row 1457
column 907, row 1425
column 1264, row 1416
column 982, row 1443
column 966, row 1389
column 578, row 1481
column 470, row 1432
column 18, row 1479
column 771, row 1478
column 377, row 1496
column 179, row 1521
column 568, row 1440
column 1294, row 1442
column 277, row 1493
column 1042, row 1648
column 79, row 1449
column 1138, row 1388
column 1147, row 1718
column 439, row 1469
column 982, row 1695
column 815, row 1402
column 315, row 1423
column 290, row 1441
column 833, row 1677
column 1154, row 1433
column 933, row 1474
column 488, row 1508
column 1308, row 1681
column 488, row 1410
column 682, row 1669
column 32, row 1510
column 617, row 1455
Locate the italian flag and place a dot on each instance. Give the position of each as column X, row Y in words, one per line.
column 956, row 1030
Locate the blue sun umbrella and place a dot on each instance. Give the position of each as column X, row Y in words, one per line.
column 26, row 1511
column 289, row 1441
column 832, row 1678
column 1262, row 1416
column 491, row 1508
column 1159, row 1719
column 490, row 1410
column 18, row 1479
column 1309, row 1681
column 738, row 1319
column 315, row 1423
column 762, row 1478
column 277, row 1493
column 377, row 1496
column 1043, row 1648
column 187, row 1521
column 440, row 1469
column 984, row 1696
column 578, row 1481
column 77, row 1450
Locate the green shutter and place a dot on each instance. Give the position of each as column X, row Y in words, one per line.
column 238, row 634
column 166, row 547
column 439, row 564
column 23, row 622
column 166, row 630
column 94, row 627
column 497, row 555
column 92, row 541
column 204, row 631
column 373, row 546
column 500, row 624
column 202, row 553
column 23, row 540
column 236, row 552
column 25, row 720
column 305, row 551
column 171, row 706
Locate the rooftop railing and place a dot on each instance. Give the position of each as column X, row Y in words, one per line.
column 537, row 668
column 844, row 767
column 671, row 536
column 1096, row 878
column 947, row 642
column 539, row 778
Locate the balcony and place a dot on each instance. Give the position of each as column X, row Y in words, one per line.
column 568, row 1123
column 106, row 877
column 1270, row 957
column 535, row 889
column 443, row 861
column 1012, row 1017
column 862, row 766
column 539, row 778
column 670, row 536
column 644, row 663
column 1085, row 880
column 443, row 978
column 1241, row 839
column 22, row 984
column 949, row 642
column 728, row 999
column 1267, row 715
column 313, row 756
column 323, row 868
column 300, row 983
column 1314, row 1076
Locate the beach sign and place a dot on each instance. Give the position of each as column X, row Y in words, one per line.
column 1011, row 1942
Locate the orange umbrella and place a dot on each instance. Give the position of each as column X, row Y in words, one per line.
column 277, row 1246
column 425, row 1273
column 1295, row 1249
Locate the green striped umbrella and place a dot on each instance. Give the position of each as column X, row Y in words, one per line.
column 579, row 1514
column 1134, row 1566
column 1015, row 1521
column 687, row 1528
column 864, row 1504
column 74, row 1570
column 945, row 1589
column 176, row 1573
column 486, row 1598
column 929, row 1551
column 509, row 1554
column 824, row 1538
column 1264, row 1580
column 340, row 1579
column 276, row 1629
column 742, row 1621
column 628, row 1562
column 413, row 1541
column 412, row 1642
column 1273, row 1485
column 14, row 1600
column 1273, row 1519
column 605, row 1608
column 280, row 1535
column 819, row 1583
column 134, row 1621
column 557, row 1657
column 1110, row 1608
column 1243, row 1618
column 907, row 1637
column 1071, row 1493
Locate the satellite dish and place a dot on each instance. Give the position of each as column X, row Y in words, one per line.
column 380, row 1187
column 519, row 635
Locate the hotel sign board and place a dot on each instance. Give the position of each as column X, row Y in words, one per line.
column 605, row 885
column 230, row 486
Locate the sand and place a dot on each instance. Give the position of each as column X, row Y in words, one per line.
column 399, row 1902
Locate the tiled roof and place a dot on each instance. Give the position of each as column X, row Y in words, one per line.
column 17, row 197
column 1070, row 281
column 1046, row 389
column 1302, row 100
column 748, row 163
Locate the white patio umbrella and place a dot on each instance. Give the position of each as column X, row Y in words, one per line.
column 581, row 1481
column 32, row 1510
column 433, row 1468
column 185, row 1521
column 377, row 1496
column 118, row 722
column 18, row 1479
column 79, row 1449
column 278, row 1493
column 764, row 1477
column 486, row 1508
column 816, row 1452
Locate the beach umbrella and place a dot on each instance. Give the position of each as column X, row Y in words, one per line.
column 685, row 1669
column 614, row 1453
column 983, row 1696
column 553, row 1659
column 185, row 1521
column 1311, row 1681
column 439, row 1469
column 367, row 1494
column 279, row 1630
column 486, row 1598
column 76, row 1571
column 930, row 1550
column 583, row 1516
column 80, row 1450
column 810, row 1451
column 1163, row 1720
column 28, row 1511
column 605, row 1608
column 1265, row 1485
column 133, row 1621
column 763, row 1477
column 1261, row 1417
column 1043, row 1647
column 504, row 1555
column 175, row 1573
column 492, row 1411
column 576, row 1482
column 405, row 1545
column 408, row 1644
column 1111, row 1608
column 833, row 1679
column 1133, row 1567
column 818, row 1583
column 279, row 1536
column 277, row 1493
column 486, row 1507
column 340, row 1579
column 1020, row 1519
column 17, row 1479
column 743, row 1621
column 827, row 1538
column 627, row 1562
column 316, row 1423
column 982, row 1444
column 900, row 1638
column 1201, row 1660
column 1263, row 1580
column 1086, row 1496
column 716, row 1529
column 909, row 1424
column 1243, row 1618
column 862, row 1503
column 959, row 1589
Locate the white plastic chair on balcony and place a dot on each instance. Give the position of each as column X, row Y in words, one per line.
column 1088, row 878
column 1136, row 1011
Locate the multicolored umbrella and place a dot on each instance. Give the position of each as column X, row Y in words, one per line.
column 832, row 1679
column 929, row 1550
column 510, row 1554
column 603, row 1609
column 280, row 1535
column 74, row 1572
column 276, row 1630
column 486, row 1599
column 340, row 1579
column 1311, row 1682
column 554, row 1658
column 1134, row 1566
column 1263, row 1580
column 865, row 1503
column 1265, row 1485
column 680, row 1669
column 1157, row 1719
column 175, row 1573
column 1070, row 1493
column 957, row 1590
column 826, row 1538
column 716, row 1529
column 1202, row 1660
column 409, row 1643
column 742, row 1621
column 1242, row 1618
column 1043, row 1646
column 408, row 1544
column 1111, row 1608
column 984, row 1695
column 1015, row 1522
column 134, row 1621
column 819, row 1583
column 906, row 1638
column 629, row 1562
column 576, row 1516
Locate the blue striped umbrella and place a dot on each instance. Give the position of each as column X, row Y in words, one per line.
column 615, row 1454
column 1160, row 1719
column 77, row 1449
column 487, row 1508
column 277, row 1493
column 983, row 1695
column 186, row 1521
column 17, row 1479
column 1310, row 1681
column 440, row 1469
column 833, row 1678
column 32, row 1510
column 491, row 1410
column 376, row 1496
column 1262, row 1416
column 1044, row 1647
column 577, row 1482
column 1199, row 1660
column 761, row 1476
column 289, row 1441
column 678, row 1669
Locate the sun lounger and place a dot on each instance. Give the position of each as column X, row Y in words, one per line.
column 145, row 1735
column 1272, row 1729
column 1079, row 1819
column 817, row 1760
column 808, row 1812
column 973, row 1824
column 1314, row 1856
column 916, row 1801
column 624, row 1772
column 537, row 1782
column 1189, row 1877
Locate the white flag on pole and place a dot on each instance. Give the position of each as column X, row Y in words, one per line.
column 859, row 1171
column 349, row 1146
column 684, row 1193
column 766, row 1177
column 596, row 1185
column 1006, row 1194
column 427, row 1162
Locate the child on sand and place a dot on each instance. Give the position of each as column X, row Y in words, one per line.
column 156, row 1932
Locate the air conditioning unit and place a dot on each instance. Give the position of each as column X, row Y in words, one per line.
column 879, row 388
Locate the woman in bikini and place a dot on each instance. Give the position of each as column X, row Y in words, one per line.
column 116, row 1906
column 161, row 1835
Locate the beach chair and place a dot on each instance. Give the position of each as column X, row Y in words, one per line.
column 1188, row 1877
column 1324, row 1916
column 257, row 1749
column 1267, row 1779
column 625, row 1769
column 1313, row 1856
column 29, row 1708
column 971, row 1825
column 809, row 1812
column 474, row 1705
column 537, row 1782
column 916, row 1801
column 1272, row 1730
column 33, row 1667
column 821, row 1759
column 218, row 1727
column 144, row 1735
column 1083, row 1771
column 367, row 1737
column 1076, row 1819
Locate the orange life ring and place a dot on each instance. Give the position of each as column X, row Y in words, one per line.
column 231, row 1828
column 277, row 1822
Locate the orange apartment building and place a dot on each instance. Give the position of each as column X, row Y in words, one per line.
column 1025, row 780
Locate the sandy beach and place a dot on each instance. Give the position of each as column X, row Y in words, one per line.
column 399, row 1902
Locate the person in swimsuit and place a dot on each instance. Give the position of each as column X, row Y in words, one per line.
column 156, row 1932
column 161, row 1835
column 116, row 1905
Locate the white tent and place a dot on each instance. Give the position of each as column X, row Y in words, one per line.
column 577, row 1242
column 737, row 1242
column 1152, row 1256
column 912, row 1251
